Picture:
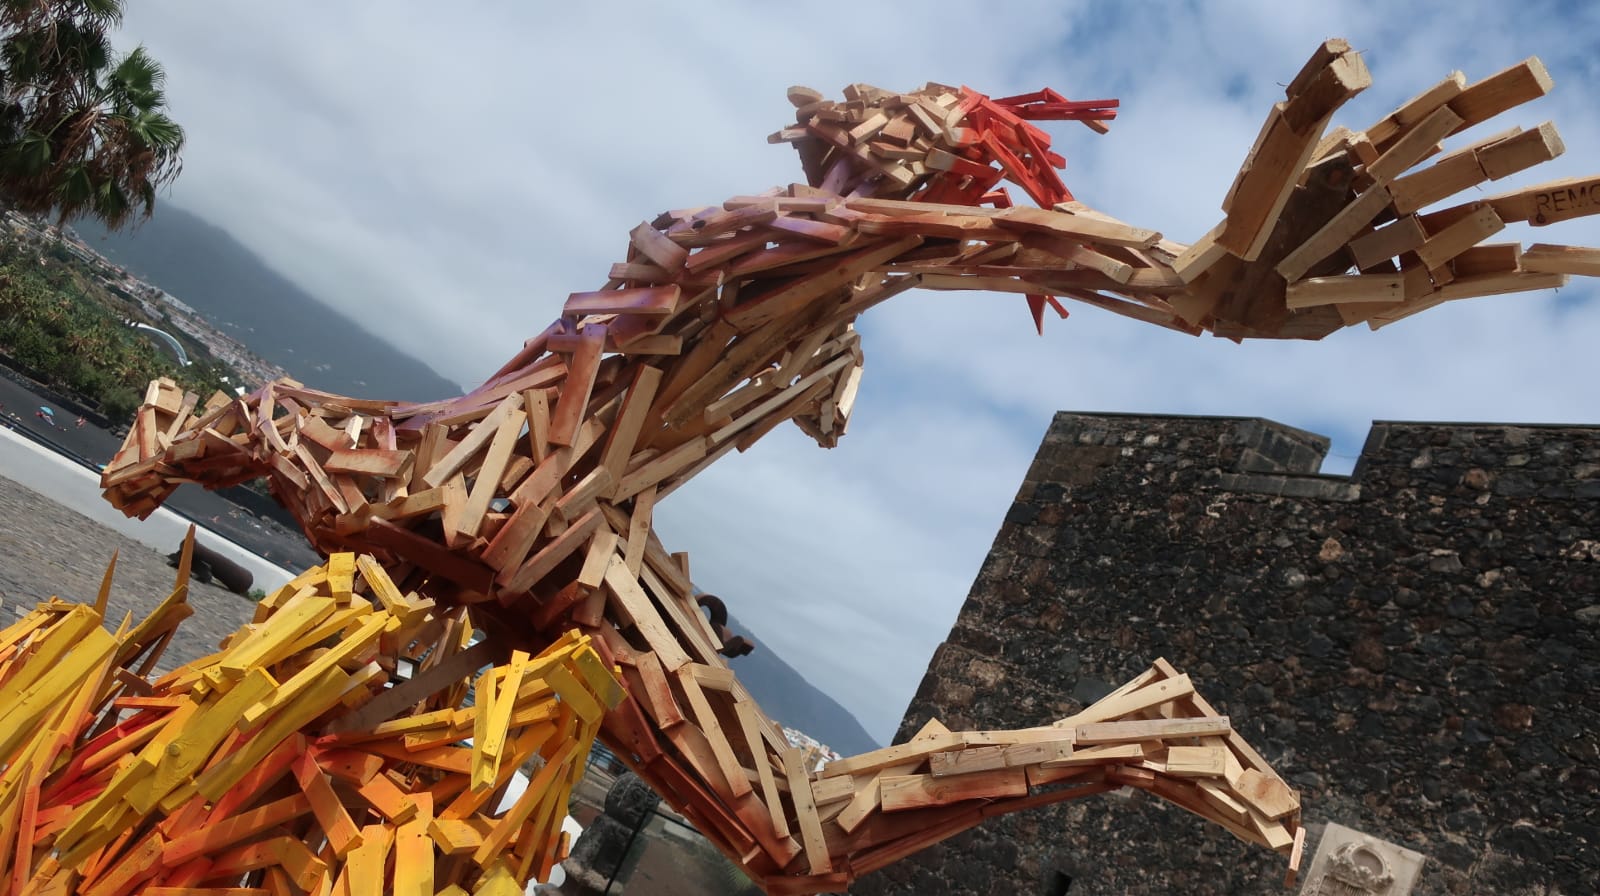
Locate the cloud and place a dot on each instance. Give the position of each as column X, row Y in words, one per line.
column 449, row 173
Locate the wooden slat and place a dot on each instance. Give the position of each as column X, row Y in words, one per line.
column 816, row 846
column 1506, row 89
column 574, row 401
column 1550, row 259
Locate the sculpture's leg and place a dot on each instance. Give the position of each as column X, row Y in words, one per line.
column 691, row 729
column 299, row 757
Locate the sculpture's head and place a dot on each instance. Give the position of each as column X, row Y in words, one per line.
column 939, row 144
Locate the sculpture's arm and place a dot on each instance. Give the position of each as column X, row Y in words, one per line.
column 281, row 432
column 722, row 322
column 690, row 729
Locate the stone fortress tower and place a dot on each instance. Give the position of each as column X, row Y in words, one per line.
column 1417, row 645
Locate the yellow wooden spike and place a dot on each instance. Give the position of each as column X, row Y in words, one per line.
column 185, row 563
column 485, row 763
column 105, row 587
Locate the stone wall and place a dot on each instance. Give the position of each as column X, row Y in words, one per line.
column 1416, row 647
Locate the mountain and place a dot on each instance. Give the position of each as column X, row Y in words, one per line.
column 791, row 700
column 210, row 271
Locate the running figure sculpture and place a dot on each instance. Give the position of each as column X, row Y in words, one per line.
column 524, row 508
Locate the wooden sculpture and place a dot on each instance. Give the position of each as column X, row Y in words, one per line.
column 523, row 509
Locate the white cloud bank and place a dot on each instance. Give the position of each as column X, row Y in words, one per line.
column 448, row 173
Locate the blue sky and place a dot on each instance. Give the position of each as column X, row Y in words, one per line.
column 450, row 174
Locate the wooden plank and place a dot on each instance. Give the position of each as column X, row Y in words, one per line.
column 1460, row 236
column 1444, row 178
column 1506, row 89
column 1550, row 259
column 709, row 724
column 1137, row 699
column 1518, row 153
column 325, row 804
column 1499, row 284
column 1154, row 729
column 827, row 791
column 1291, row 876
column 639, row 529
column 1391, row 241
column 884, row 757
column 1103, row 754
column 601, row 547
column 573, row 404
column 636, row 607
column 998, row 756
column 1417, row 144
column 653, row 472
column 822, row 231
column 287, row 853
column 446, row 467
column 1084, row 773
column 1234, row 740
column 583, row 494
column 903, row 792
column 1314, row 291
column 816, row 845
column 1417, row 108
column 1267, row 795
column 839, row 273
column 368, row 461
column 1343, row 227
column 1550, row 202
column 1488, row 258
column 1264, row 182
column 487, row 484
column 750, row 727
column 549, row 556
column 511, row 544
column 365, row 873
column 658, row 247
column 1076, row 227
column 648, row 301
column 1198, row 258
column 657, row 691
column 217, row 836
column 782, row 401
column 623, row 436
column 1196, row 762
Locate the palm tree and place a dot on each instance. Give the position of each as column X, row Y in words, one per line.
column 82, row 131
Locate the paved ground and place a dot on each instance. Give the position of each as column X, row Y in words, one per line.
column 46, row 549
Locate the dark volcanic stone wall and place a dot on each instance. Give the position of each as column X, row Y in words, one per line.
column 1417, row 647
